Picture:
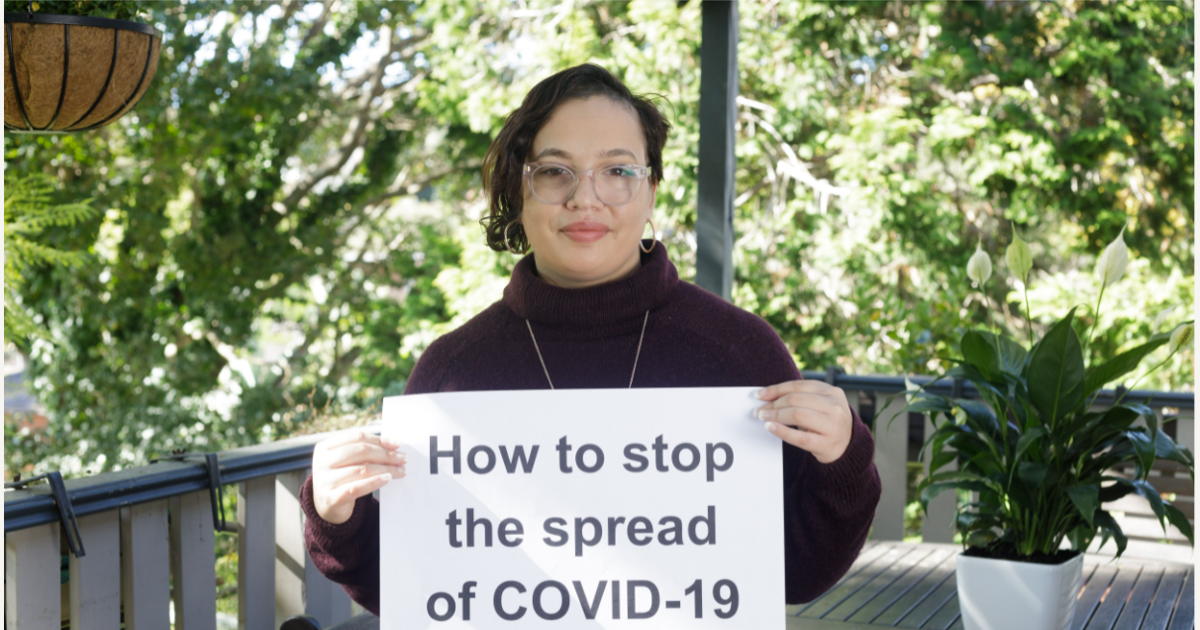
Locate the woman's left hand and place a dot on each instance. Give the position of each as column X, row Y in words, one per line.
column 810, row 415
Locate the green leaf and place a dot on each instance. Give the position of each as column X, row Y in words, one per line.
column 937, row 483
column 940, row 459
column 980, row 352
column 1143, row 449
column 1111, row 529
column 979, row 414
column 1086, row 498
column 1120, row 488
column 1100, row 375
column 1033, row 473
column 1096, row 428
column 1055, row 371
column 926, row 403
column 1027, row 440
column 980, row 538
column 1180, row 521
column 1010, row 357
column 1152, row 497
column 1166, row 448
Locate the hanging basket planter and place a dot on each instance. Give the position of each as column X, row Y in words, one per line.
column 74, row 73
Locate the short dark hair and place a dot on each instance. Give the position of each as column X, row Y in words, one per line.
column 505, row 159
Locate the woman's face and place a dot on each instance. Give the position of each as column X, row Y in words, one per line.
column 584, row 241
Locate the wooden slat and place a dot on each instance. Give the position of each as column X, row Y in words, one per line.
column 1161, row 466
column 803, row 623
column 1139, row 599
column 882, row 581
column 1093, row 589
column 145, row 566
column 910, row 590
column 1133, row 504
column 1166, row 597
column 945, row 616
column 856, row 580
column 935, row 586
column 891, row 457
column 1114, row 599
column 1181, row 486
column 95, row 584
column 32, row 599
column 256, row 553
column 870, row 552
column 920, row 614
column 290, row 556
column 1184, row 617
column 1141, row 528
column 889, row 588
column 193, row 562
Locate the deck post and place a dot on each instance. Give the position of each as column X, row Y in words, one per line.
column 95, row 585
column 256, row 553
column 145, row 565
column 193, row 562
column 891, row 458
column 32, row 593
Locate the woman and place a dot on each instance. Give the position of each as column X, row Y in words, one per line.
column 572, row 176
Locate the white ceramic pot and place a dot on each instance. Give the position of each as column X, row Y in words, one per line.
column 1006, row 594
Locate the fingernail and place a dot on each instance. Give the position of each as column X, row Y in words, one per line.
column 766, row 414
column 387, row 477
column 769, row 426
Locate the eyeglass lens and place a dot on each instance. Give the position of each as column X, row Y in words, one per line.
column 613, row 185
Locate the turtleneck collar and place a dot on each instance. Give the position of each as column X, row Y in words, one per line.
column 609, row 304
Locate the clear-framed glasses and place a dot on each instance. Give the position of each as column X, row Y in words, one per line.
column 614, row 184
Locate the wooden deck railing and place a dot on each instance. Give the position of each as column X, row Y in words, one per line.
column 148, row 533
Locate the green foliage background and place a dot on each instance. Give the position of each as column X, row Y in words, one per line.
column 290, row 215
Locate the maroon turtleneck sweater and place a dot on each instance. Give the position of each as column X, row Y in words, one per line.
column 588, row 338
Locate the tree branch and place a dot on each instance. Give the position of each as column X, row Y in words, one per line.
column 359, row 133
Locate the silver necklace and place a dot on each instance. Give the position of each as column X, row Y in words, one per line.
column 637, row 355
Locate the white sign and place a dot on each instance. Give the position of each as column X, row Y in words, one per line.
column 643, row 508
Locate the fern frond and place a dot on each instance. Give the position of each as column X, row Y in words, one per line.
column 27, row 253
column 19, row 327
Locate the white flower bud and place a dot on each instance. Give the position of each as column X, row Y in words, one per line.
column 1181, row 337
column 979, row 267
column 1018, row 256
column 1110, row 266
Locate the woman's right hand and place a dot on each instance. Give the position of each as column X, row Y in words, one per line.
column 350, row 465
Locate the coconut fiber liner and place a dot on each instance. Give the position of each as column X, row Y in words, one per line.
column 71, row 77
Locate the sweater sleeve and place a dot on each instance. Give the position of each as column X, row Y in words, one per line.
column 828, row 513
column 346, row 553
column 828, row 508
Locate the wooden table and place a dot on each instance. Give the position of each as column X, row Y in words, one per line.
column 911, row 585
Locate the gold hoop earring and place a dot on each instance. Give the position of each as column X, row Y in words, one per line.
column 653, row 239
column 508, row 244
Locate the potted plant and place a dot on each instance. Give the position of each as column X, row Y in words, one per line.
column 1036, row 455
column 73, row 65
